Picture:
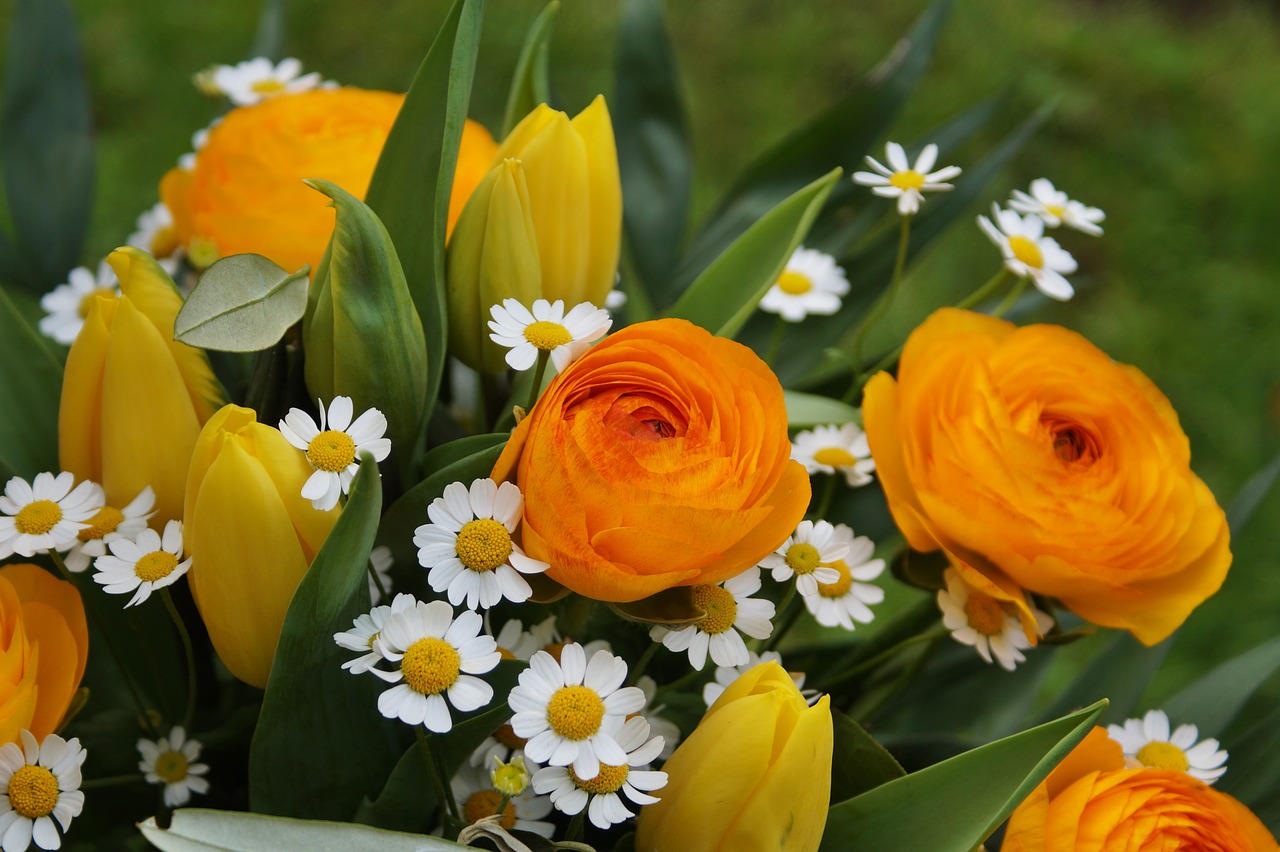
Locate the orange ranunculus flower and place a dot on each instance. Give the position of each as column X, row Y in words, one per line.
column 245, row 192
column 1033, row 457
column 660, row 458
column 1091, row 803
column 44, row 641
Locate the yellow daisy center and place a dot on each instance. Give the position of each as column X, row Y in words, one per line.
column 794, row 283
column 547, row 335
column 910, row 179
column 720, row 608
column 834, row 456
column 104, row 521
column 985, row 614
column 38, row 517
column 33, row 792
column 331, row 450
column 1026, row 251
column 840, row 587
column 485, row 803
column 507, row 736
column 483, row 544
column 1160, row 755
column 575, row 712
column 155, row 566
column 430, row 666
column 171, row 766
column 610, row 780
column 803, row 558
column 1055, row 210
column 269, row 86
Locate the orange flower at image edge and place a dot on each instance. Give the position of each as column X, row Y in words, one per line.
column 660, row 458
column 1032, row 457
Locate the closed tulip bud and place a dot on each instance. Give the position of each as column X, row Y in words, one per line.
column 251, row 536
column 133, row 399
column 493, row 256
column 754, row 774
column 576, row 197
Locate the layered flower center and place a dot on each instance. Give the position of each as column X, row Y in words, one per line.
column 483, row 544
column 803, row 558
column 155, row 566
column 171, row 766
column 33, row 792
column 485, row 803
column 840, row 587
column 104, row 521
column 720, row 608
column 834, row 456
column 38, row 517
column 430, row 666
column 1026, row 251
column 794, row 283
column 984, row 613
column 575, row 712
column 1161, row 755
column 909, row 179
column 546, row 335
column 610, row 780
column 1072, row 444
column 331, row 450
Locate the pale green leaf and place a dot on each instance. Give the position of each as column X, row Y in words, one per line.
column 242, row 303
column 810, row 409
column 201, row 830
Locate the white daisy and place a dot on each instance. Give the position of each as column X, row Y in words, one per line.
column 477, row 798
column 811, row 283
column 171, row 761
column 468, row 545
column 46, row 514
column 1056, row 208
column 255, row 80
column 615, row 300
column 381, row 560
column 1028, row 253
column 157, row 235
column 1148, row 742
column 730, row 610
column 571, row 711
column 835, row 449
column 847, row 600
column 547, row 328
column 807, row 555
column 67, row 305
column 364, row 633
column 334, row 449
column 438, row 655
column 989, row 625
column 570, row 792
column 726, row 675
column 143, row 564
column 516, row 643
column 41, row 783
column 904, row 181
column 107, row 525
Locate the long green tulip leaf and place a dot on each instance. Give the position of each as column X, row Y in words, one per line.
column 531, row 82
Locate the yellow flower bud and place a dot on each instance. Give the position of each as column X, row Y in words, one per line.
column 510, row 779
column 251, row 536
column 133, row 400
column 754, row 774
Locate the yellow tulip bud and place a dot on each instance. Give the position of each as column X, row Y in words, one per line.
column 133, row 399
column 251, row 536
column 754, row 774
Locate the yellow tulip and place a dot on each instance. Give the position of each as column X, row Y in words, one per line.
column 133, row 399
column 754, row 774
column 251, row 536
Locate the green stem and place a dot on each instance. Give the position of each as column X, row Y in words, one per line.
column 642, row 664
column 111, row 781
column 190, row 712
column 824, row 502
column 679, row 683
column 377, row 583
column 986, row 291
column 444, row 792
column 574, row 832
column 1011, row 299
column 902, row 682
column 775, row 341
column 886, row 299
column 543, row 357
column 888, row 653
column 789, row 610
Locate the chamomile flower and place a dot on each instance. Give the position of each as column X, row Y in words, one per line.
column 726, row 675
column 547, row 328
column 807, row 555
column 157, row 235
column 811, row 283
column 438, row 656
column 1028, row 253
column 1056, row 208
column 255, row 80
column 988, row 625
column 171, row 761
column 143, row 564
column 67, row 305
column 41, row 783
column 334, row 448
column 477, row 798
column 1148, row 742
column 381, row 560
column 904, row 181
column 570, row 792
column 364, row 633
column 848, row 599
column 730, row 610
column 571, row 711
column 106, row 525
column 662, row 727
column 835, row 449
column 516, row 643
column 45, row 514
column 468, row 545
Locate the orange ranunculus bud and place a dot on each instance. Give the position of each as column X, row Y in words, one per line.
column 754, row 774
column 133, row 399
column 251, row 536
column 1033, row 457
column 1091, row 803
column 245, row 193
column 659, row 458
column 44, row 642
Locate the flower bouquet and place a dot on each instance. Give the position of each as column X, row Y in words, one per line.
column 408, row 483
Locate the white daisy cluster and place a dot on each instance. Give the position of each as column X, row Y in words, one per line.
column 1149, row 742
column 833, row 570
column 811, row 283
column 989, row 625
column 905, row 181
column 546, row 329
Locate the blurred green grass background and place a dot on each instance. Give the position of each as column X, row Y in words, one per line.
column 1167, row 119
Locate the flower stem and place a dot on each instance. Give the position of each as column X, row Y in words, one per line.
column 789, row 610
column 775, row 341
column 986, row 291
column 886, row 299
column 574, row 832
column 543, row 357
column 888, row 653
column 111, row 781
column 444, row 793
column 1011, row 299
column 190, row 712
column 824, row 503
column 377, row 582
column 643, row 663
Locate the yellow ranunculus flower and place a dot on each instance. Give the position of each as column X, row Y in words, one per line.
column 754, row 774
column 133, row 400
column 251, row 536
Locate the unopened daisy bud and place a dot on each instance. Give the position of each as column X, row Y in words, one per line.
column 510, row 779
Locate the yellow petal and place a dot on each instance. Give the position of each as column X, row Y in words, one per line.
column 555, row 166
column 604, row 233
column 80, row 410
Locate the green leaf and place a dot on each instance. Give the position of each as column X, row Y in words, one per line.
column 201, row 830
column 46, row 147
column 1254, row 771
column 965, row 798
column 269, row 40
column 319, row 745
column 411, row 184
column 31, row 384
column 1120, row 673
column 858, row 762
column 242, row 303
column 808, row 409
column 723, row 297
column 447, row 454
column 1211, row 701
column 1251, row 496
column 655, row 157
column 531, row 82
